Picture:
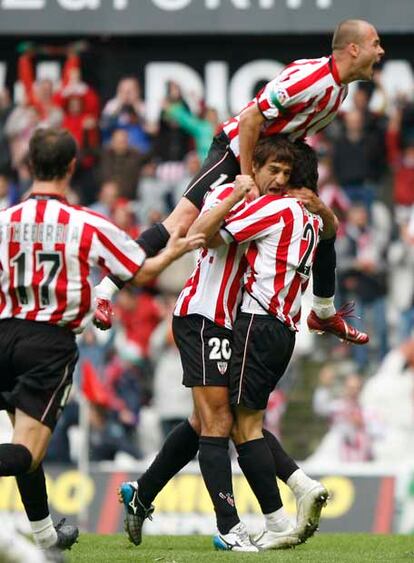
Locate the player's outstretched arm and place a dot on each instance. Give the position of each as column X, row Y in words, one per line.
column 176, row 247
column 209, row 223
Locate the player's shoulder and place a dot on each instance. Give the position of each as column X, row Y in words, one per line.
column 8, row 211
column 91, row 216
column 218, row 193
column 308, row 62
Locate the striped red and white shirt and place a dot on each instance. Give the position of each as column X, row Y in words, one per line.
column 283, row 237
column 214, row 288
column 47, row 250
column 303, row 99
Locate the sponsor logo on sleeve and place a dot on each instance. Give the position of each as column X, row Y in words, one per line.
column 279, row 98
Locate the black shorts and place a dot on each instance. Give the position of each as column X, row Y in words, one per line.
column 220, row 165
column 262, row 348
column 205, row 350
column 36, row 368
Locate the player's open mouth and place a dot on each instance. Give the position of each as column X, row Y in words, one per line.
column 274, row 190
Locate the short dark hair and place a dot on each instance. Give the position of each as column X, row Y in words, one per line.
column 276, row 146
column 50, row 153
column 305, row 167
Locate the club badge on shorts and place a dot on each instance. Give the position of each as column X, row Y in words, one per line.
column 222, row 367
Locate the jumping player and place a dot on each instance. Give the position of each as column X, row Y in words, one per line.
column 303, row 99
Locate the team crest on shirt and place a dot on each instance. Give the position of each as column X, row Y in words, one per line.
column 222, row 367
column 279, row 97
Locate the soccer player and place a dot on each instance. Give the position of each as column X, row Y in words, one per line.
column 282, row 236
column 303, row 99
column 47, row 249
column 203, row 322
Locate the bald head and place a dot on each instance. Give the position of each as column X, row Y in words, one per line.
column 349, row 31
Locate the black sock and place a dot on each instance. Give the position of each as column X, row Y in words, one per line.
column 15, row 459
column 179, row 448
column 323, row 269
column 258, row 466
column 32, row 488
column 284, row 464
column 215, row 467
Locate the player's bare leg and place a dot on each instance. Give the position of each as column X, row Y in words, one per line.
column 184, row 214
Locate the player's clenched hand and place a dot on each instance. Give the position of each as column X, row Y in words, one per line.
column 309, row 199
column 102, row 317
column 244, row 187
column 179, row 245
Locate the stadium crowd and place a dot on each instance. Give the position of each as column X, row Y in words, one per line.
column 134, row 171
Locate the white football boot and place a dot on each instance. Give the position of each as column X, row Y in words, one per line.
column 236, row 540
column 309, row 504
column 280, row 535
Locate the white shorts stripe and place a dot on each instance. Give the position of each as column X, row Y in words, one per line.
column 205, row 173
column 65, row 375
column 244, row 359
column 202, row 352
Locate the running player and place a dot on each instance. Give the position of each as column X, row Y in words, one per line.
column 303, row 99
column 47, row 248
column 203, row 322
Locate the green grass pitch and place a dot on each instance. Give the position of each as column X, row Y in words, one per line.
column 324, row 548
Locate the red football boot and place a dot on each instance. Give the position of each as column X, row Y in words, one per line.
column 338, row 326
column 102, row 317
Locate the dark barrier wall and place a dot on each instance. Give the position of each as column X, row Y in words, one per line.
column 201, row 16
column 110, row 58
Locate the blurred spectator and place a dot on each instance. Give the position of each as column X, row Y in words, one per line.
column 73, row 85
column 201, row 127
column 8, row 192
column 330, row 191
column 192, row 167
column 353, row 428
column 138, row 315
column 19, row 127
column 172, row 142
column 37, row 94
column 112, row 420
column 6, row 107
column 401, row 160
column 107, row 197
column 359, row 158
column 401, row 291
column 122, row 163
column 83, row 127
column 124, row 217
column 171, row 400
column 362, row 277
column 153, row 193
column 391, row 393
column 127, row 111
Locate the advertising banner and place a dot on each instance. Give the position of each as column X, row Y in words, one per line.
column 359, row 503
